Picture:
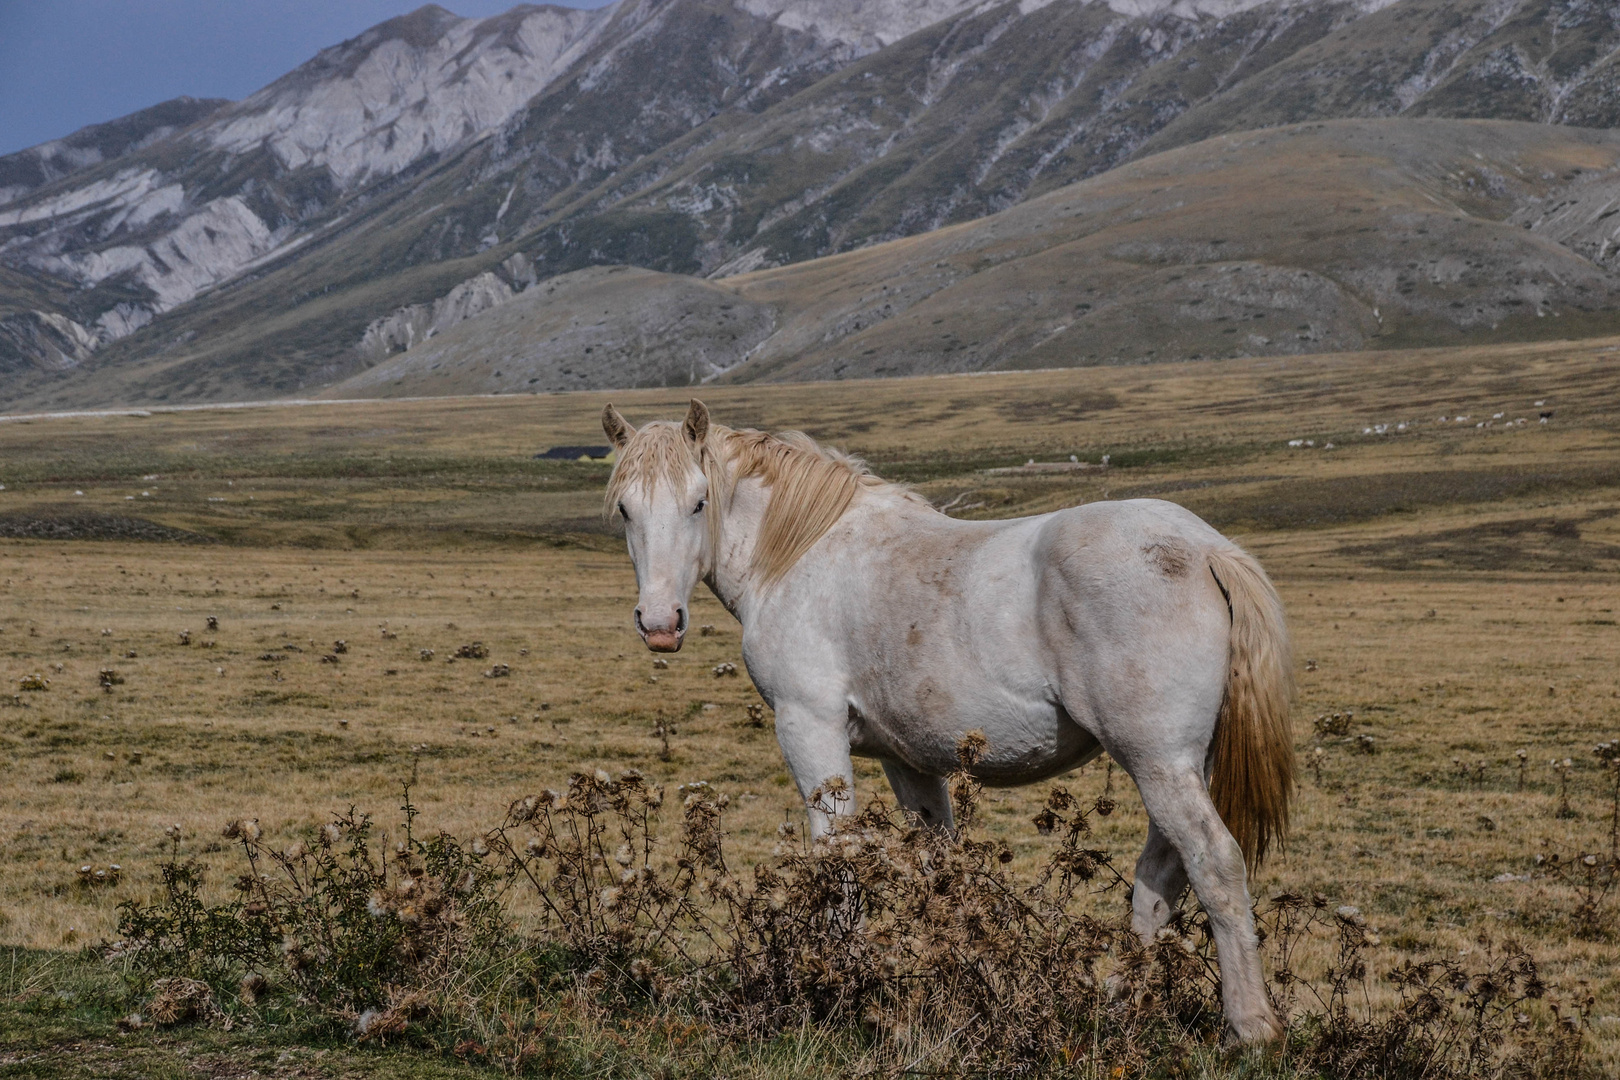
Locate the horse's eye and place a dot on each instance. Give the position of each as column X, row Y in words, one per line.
column 701, row 504
column 623, row 512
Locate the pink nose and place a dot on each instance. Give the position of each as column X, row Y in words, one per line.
column 662, row 634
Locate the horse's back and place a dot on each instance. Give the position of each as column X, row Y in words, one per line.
column 1127, row 552
column 1113, row 526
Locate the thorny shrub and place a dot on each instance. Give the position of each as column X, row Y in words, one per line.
column 340, row 921
column 1594, row 879
column 921, row 950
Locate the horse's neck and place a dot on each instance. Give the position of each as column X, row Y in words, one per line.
column 731, row 577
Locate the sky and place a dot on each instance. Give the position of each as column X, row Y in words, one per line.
column 68, row 63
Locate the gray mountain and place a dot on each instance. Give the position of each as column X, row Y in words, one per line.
column 177, row 212
column 268, row 247
column 27, row 170
column 1349, row 234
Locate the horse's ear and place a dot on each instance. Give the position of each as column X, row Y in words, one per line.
column 617, row 427
column 697, row 422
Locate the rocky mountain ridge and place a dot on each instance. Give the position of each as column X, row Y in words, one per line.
column 25, row 171
column 413, row 87
column 247, row 253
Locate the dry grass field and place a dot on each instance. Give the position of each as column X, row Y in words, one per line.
column 1451, row 585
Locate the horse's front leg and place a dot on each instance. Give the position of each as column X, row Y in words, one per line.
column 815, row 743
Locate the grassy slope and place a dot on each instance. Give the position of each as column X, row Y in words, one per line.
column 1344, row 235
column 616, row 325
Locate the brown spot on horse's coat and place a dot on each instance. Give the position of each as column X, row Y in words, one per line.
column 914, row 635
column 1170, row 555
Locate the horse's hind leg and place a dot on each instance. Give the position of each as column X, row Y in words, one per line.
column 925, row 796
column 1160, row 881
column 1180, row 810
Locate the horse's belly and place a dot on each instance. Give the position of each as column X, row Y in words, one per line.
column 1028, row 738
column 1046, row 751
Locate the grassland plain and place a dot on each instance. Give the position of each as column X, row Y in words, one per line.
column 1453, row 586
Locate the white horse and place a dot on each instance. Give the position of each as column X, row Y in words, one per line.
column 875, row 625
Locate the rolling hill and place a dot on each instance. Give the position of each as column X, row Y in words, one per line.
column 258, row 249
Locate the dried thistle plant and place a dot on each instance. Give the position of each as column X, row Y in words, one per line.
column 918, row 944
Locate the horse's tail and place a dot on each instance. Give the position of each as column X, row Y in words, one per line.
column 1252, row 757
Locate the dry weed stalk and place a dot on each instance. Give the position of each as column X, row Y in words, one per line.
column 1592, row 876
column 1563, row 769
column 1608, row 755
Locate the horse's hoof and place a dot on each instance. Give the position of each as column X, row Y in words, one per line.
column 1253, row 1031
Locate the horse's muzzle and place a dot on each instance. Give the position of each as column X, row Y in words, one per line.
column 663, row 639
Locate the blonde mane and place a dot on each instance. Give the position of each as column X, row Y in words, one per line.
column 811, row 485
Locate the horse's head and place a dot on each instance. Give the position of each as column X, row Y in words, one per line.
column 660, row 489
